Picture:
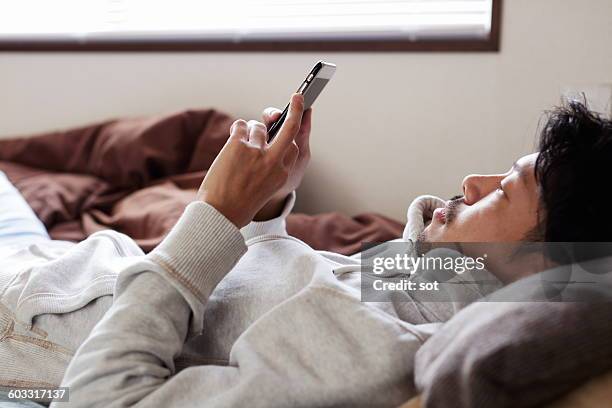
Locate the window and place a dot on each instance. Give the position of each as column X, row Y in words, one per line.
column 250, row 25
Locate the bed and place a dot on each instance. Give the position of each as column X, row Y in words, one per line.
column 136, row 176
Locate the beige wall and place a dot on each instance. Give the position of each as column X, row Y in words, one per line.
column 389, row 127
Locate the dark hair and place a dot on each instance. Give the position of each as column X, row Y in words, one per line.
column 574, row 173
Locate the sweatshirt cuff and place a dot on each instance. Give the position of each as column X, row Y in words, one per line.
column 200, row 249
column 275, row 226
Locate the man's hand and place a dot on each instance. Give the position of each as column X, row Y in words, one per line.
column 249, row 172
column 274, row 207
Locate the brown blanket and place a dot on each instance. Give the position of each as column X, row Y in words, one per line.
column 136, row 176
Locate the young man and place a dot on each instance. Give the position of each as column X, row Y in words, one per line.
column 255, row 316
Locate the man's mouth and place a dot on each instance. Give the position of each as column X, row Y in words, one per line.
column 448, row 213
column 440, row 214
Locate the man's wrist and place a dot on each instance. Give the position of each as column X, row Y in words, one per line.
column 272, row 209
column 233, row 214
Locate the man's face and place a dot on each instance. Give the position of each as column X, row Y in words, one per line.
column 494, row 208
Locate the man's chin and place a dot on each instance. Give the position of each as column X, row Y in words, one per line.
column 422, row 237
column 429, row 234
column 422, row 244
column 434, row 234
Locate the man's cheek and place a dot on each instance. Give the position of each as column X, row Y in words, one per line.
column 465, row 227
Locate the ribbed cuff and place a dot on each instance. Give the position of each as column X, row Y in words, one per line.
column 419, row 215
column 200, row 250
column 275, row 226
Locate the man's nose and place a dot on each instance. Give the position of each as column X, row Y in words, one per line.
column 477, row 186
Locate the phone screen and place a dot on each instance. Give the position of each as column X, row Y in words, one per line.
column 311, row 88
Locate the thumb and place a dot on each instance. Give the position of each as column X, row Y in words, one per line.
column 270, row 115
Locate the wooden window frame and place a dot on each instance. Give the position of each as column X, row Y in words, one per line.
column 490, row 44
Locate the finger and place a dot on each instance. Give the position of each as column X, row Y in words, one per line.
column 239, row 130
column 291, row 127
column 258, row 133
column 291, row 155
column 271, row 115
column 303, row 137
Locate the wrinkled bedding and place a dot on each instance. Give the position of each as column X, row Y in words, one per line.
column 136, row 176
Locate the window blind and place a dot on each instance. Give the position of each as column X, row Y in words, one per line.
column 244, row 20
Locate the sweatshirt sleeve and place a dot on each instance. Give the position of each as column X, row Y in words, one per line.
column 158, row 301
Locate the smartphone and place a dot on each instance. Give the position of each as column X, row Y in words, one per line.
column 311, row 88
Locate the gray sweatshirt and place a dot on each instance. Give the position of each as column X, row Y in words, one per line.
column 215, row 316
